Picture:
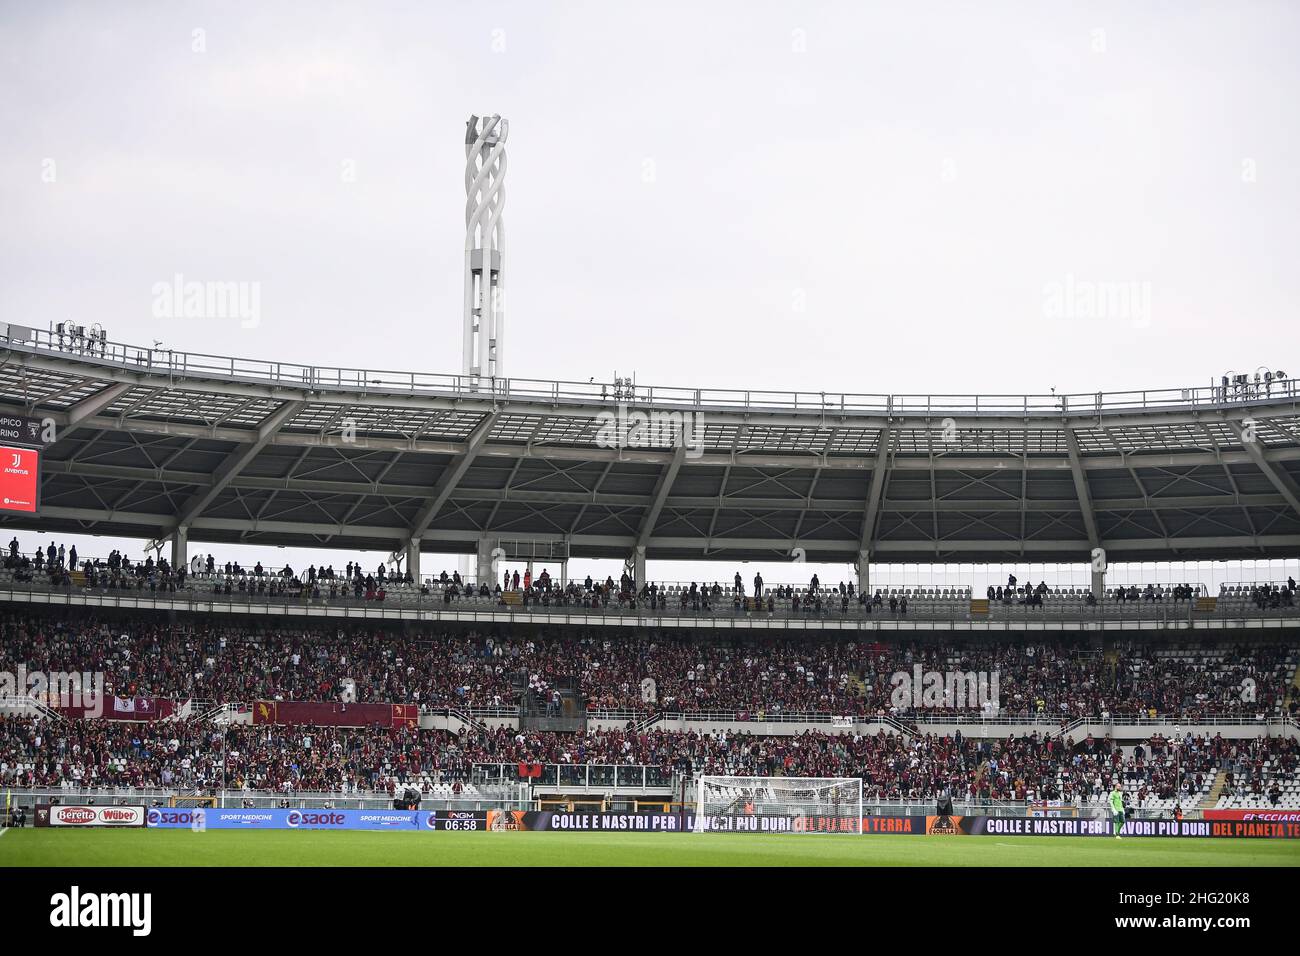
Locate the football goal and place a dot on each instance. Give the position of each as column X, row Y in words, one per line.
column 778, row 804
column 189, row 800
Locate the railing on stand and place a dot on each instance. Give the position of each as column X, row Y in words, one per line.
column 70, row 339
column 579, row 778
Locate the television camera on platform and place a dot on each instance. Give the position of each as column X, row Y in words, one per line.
column 406, row 797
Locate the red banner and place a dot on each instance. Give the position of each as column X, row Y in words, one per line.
column 1257, row 815
column 334, row 714
column 121, row 708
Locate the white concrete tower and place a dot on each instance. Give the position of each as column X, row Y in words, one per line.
column 485, row 246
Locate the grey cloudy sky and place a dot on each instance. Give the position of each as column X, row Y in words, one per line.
column 827, row 196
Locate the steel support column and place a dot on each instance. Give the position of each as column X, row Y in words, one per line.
column 1283, row 482
column 180, row 548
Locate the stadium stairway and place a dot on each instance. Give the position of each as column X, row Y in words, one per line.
column 1216, row 790
column 1292, row 692
column 1111, row 657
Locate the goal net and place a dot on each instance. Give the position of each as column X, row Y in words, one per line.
column 778, row 804
column 180, row 800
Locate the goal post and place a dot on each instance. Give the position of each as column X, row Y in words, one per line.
column 778, row 804
column 180, row 800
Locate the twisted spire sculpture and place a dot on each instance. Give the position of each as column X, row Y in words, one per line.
column 485, row 246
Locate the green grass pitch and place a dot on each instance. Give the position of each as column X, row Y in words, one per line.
column 56, row 847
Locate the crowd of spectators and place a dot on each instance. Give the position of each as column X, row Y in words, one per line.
column 106, row 755
column 228, row 661
column 1226, row 681
column 1029, row 595
column 52, row 565
column 1023, row 594
column 1273, row 595
column 55, row 566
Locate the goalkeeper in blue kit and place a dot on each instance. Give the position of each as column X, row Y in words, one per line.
column 1117, row 809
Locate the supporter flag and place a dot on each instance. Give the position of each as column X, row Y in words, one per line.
column 265, row 712
column 124, row 705
column 530, row 769
column 406, row 715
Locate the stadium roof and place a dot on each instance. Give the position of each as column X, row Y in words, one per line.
column 240, row 450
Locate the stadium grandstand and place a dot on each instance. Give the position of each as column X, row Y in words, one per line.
column 892, row 460
column 342, row 685
column 170, row 445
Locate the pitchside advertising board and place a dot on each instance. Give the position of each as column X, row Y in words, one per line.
column 1269, row 816
column 500, row 820
column 59, row 815
column 168, row 818
column 416, row 821
column 685, row 823
column 1103, row 827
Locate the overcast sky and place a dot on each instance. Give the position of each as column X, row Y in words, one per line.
column 906, row 198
